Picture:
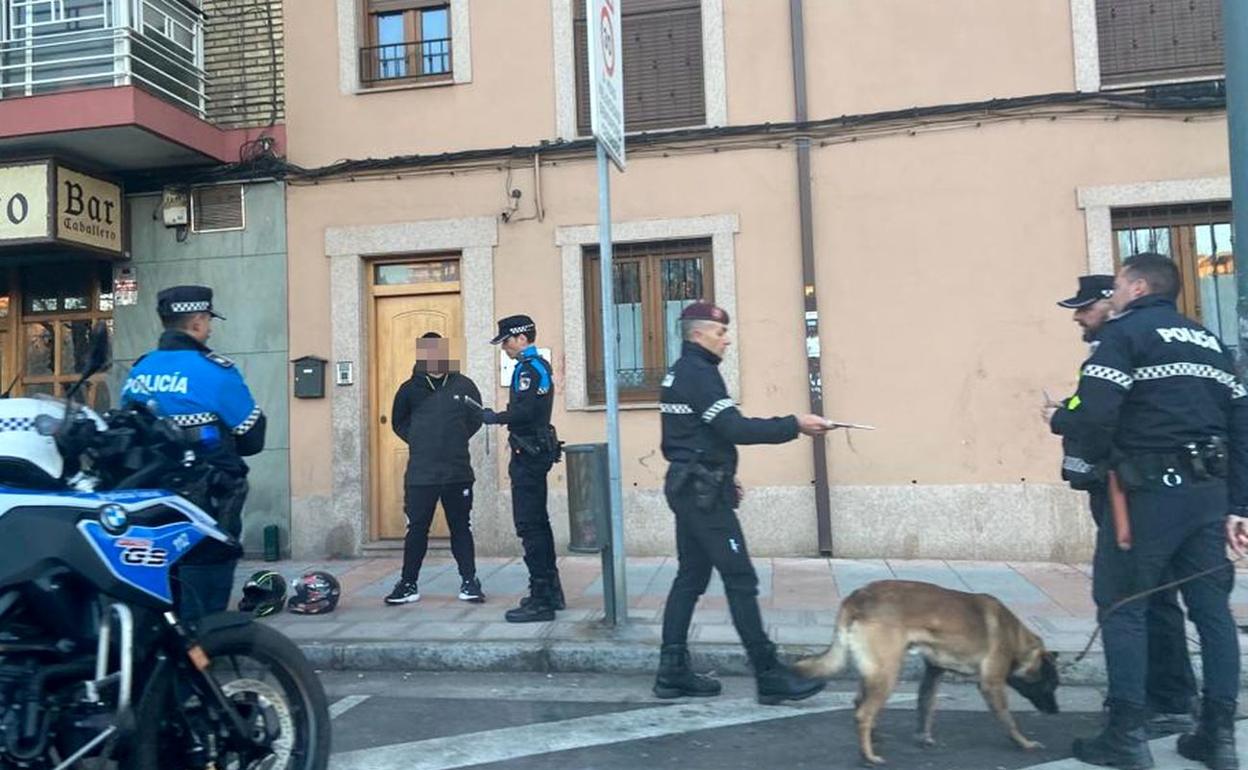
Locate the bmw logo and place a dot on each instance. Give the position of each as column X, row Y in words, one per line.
column 114, row 519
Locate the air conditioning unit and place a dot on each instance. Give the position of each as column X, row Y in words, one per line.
column 175, row 207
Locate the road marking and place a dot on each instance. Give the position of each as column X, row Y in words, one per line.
column 341, row 707
column 582, row 732
column 1164, row 754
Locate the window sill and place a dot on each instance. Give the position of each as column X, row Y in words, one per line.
column 362, row 90
column 632, row 406
column 1134, row 84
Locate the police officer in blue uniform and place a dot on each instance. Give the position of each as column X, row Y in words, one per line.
column 1171, row 685
column 204, row 393
column 534, row 449
column 1160, row 403
column 702, row 427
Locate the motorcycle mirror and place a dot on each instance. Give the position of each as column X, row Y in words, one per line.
column 97, row 357
column 47, row 425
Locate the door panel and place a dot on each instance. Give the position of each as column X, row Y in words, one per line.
column 399, row 321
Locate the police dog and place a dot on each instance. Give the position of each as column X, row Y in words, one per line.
column 972, row 634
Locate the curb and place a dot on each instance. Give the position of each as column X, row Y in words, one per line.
column 605, row 658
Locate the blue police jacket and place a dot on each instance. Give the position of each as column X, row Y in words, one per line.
column 531, row 396
column 199, row 389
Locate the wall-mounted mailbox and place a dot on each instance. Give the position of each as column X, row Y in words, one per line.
column 309, row 377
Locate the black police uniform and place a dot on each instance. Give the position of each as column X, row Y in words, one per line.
column 1171, row 685
column 1159, row 400
column 701, row 426
column 204, row 393
column 534, row 449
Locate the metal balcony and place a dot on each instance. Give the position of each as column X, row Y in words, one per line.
column 49, row 46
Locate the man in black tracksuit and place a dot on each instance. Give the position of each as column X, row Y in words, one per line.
column 436, row 412
column 701, row 428
column 534, row 449
column 1160, row 403
column 1171, row 687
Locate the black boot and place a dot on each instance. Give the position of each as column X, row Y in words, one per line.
column 1122, row 744
column 676, row 679
column 556, row 597
column 534, row 608
column 1214, row 740
column 776, row 681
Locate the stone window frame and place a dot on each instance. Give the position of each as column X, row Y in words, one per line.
column 350, row 37
column 714, row 66
column 721, row 229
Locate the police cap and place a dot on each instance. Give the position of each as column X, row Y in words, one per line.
column 177, row 300
column 704, row 311
column 1091, row 289
column 513, row 325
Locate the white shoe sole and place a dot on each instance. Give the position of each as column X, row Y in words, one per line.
column 475, row 599
column 405, row 600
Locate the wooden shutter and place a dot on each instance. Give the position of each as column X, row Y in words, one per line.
column 662, row 49
column 1146, row 40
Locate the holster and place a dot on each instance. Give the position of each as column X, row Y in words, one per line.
column 1195, row 461
column 706, row 485
column 546, row 445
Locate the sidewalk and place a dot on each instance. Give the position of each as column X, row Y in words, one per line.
column 799, row 598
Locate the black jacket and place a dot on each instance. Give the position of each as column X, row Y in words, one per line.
column 700, row 422
column 436, row 426
column 1155, row 382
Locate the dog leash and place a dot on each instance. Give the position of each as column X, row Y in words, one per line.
column 1134, row 597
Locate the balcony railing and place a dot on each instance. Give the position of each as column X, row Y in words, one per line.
column 48, row 46
column 421, row 60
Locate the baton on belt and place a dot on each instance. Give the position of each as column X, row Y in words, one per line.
column 1118, row 511
column 472, row 401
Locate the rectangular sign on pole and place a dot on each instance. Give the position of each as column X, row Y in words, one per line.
column 606, row 76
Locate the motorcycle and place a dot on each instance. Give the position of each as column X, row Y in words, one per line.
column 96, row 668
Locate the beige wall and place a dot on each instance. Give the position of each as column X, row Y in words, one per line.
column 939, row 258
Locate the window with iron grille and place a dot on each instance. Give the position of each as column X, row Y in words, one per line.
column 1198, row 238
column 654, row 282
column 217, row 208
column 1149, row 40
column 406, row 41
column 662, row 50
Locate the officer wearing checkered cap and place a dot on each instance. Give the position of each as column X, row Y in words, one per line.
column 1160, row 403
column 534, row 449
column 1171, row 685
column 702, row 427
column 204, row 393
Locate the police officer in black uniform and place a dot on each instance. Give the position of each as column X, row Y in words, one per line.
column 701, row 428
column 205, row 394
column 1159, row 400
column 1171, row 685
column 534, row 449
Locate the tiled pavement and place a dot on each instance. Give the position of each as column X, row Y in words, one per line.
column 799, row 599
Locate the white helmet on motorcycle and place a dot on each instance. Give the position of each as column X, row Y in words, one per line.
column 29, row 457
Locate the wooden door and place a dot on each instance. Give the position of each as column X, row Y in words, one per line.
column 399, row 320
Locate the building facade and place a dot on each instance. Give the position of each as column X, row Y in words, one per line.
column 888, row 204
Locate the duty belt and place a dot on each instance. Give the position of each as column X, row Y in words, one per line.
column 1195, row 461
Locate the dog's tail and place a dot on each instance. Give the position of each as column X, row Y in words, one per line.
column 833, row 660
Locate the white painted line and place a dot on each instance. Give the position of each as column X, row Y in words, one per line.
column 346, row 704
column 1164, row 754
column 545, row 737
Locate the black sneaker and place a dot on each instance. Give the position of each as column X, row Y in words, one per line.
column 404, row 593
column 470, row 590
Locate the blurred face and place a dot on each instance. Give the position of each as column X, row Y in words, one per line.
column 514, row 346
column 712, row 336
column 1127, row 289
column 1092, row 317
column 433, row 356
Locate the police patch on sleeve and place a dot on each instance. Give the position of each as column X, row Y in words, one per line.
column 524, row 383
column 219, row 359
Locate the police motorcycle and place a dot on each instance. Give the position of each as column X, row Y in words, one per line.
column 96, row 669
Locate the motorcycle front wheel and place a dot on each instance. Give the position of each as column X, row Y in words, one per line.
column 271, row 685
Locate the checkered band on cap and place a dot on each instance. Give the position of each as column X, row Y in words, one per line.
column 189, row 307
column 521, row 329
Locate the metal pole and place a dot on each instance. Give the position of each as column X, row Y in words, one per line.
column 607, row 281
column 814, row 359
column 1235, row 37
